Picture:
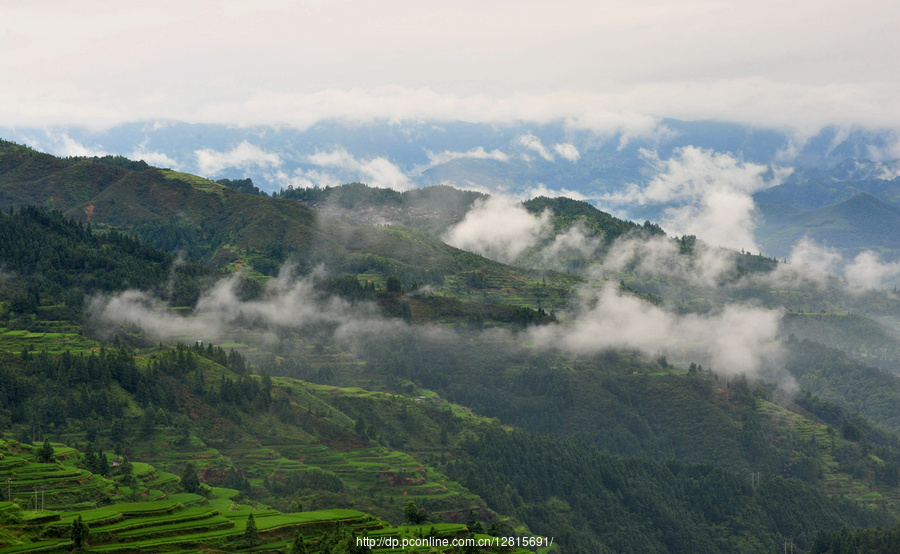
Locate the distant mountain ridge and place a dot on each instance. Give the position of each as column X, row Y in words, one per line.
column 512, row 158
column 171, row 207
column 808, row 189
column 862, row 222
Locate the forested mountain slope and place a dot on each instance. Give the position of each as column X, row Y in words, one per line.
column 387, row 366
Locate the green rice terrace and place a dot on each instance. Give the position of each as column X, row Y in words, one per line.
column 123, row 513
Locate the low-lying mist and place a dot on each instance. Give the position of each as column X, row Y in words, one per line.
column 287, row 301
column 733, row 340
column 500, row 228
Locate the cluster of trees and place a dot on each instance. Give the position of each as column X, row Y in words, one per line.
column 348, row 287
column 567, row 212
column 245, row 186
column 246, row 392
column 285, row 484
column 55, row 260
column 95, row 462
column 870, row 541
column 46, row 391
column 592, row 501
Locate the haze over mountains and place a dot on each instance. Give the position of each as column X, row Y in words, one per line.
column 732, row 185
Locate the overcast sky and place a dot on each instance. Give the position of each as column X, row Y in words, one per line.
column 598, row 64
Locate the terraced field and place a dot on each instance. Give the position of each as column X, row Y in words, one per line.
column 829, row 444
column 153, row 526
column 47, row 485
column 52, row 343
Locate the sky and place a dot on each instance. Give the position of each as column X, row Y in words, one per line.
column 604, row 65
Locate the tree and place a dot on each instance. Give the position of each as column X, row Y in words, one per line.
column 251, row 535
column 393, row 284
column 406, row 312
column 80, row 533
column 189, row 480
column 474, row 525
column 127, row 471
column 414, row 514
column 103, row 463
column 117, row 431
column 46, row 453
column 148, row 421
column 299, row 545
column 91, row 463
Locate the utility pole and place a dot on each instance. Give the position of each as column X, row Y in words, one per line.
column 755, row 477
column 9, row 489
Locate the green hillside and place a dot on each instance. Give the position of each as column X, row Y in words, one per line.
column 401, row 391
column 171, row 209
column 225, row 228
column 566, row 212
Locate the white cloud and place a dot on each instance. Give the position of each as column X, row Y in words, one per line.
column 613, row 64
column 62, row 144
column 705, row 193
column 304, row 178
column 567, row 151
column 661, row 257
column 542, row 190
column 532, row 142
column 574, row 240
column 734, row 341
column 868, row 271
column 377, row 172
column 242, row 156
column 890, row 152
column 499, row 229
column 810, row 262
column 157, row 159
column 475, row 153
column 813, row 263
column 287, row 302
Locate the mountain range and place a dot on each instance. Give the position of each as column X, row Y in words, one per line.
column 610, row 170
column 342, row 351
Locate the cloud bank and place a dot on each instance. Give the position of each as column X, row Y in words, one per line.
column 498, row 228
column 287, row 302
column 475, row 154
column 662, row 257
column 242, row 156
column 814, row 263
column 704, row 193
column 377, row 172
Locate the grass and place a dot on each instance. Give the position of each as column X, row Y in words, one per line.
column 195, row 181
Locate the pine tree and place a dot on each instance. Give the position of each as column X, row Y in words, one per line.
column 103, row 463
column 251, row 535
column 189, row 480
column 80, row 533
column 46, row 453
column 299, row 545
